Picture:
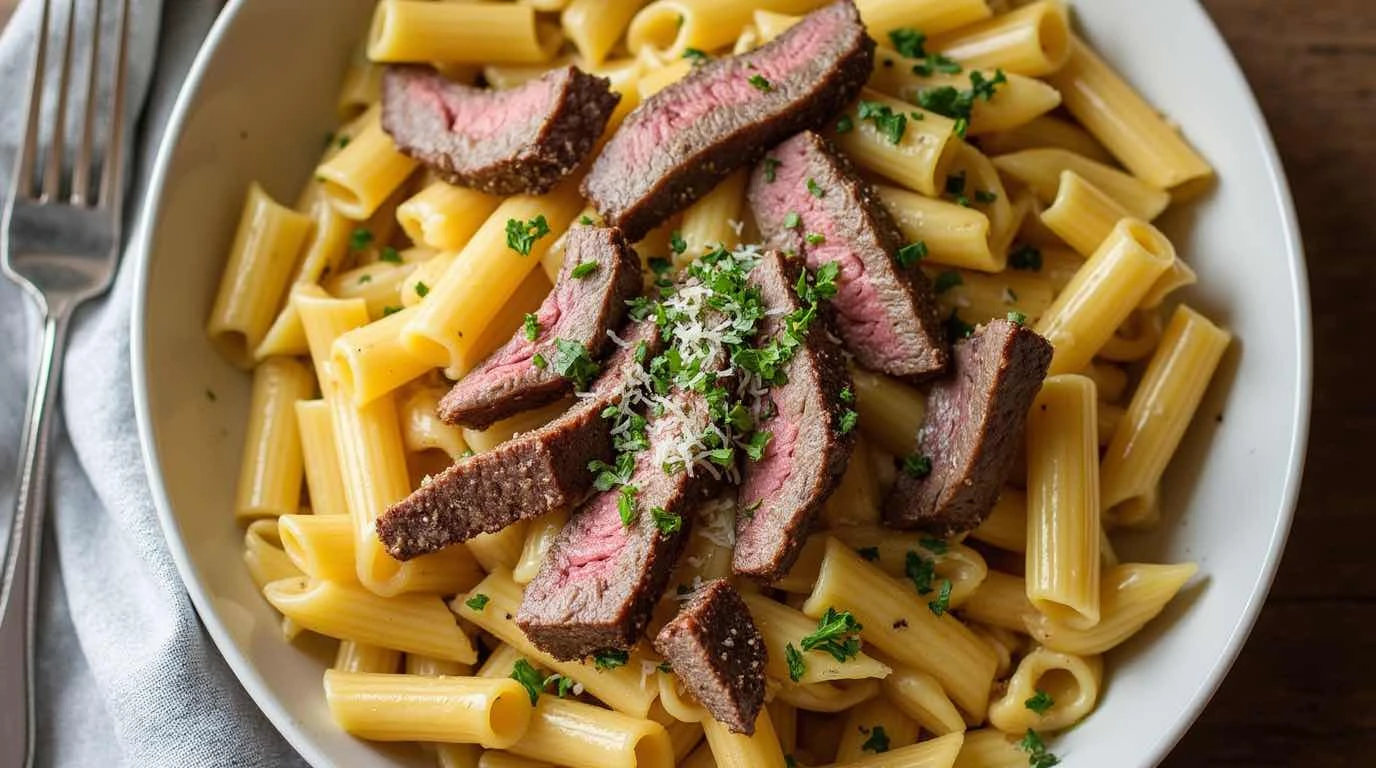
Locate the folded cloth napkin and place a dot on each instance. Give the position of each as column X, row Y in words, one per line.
column 126, row 676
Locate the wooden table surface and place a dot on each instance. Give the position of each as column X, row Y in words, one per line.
column 1303, row 692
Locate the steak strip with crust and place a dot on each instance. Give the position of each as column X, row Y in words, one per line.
column 974, row 424
column 525, row 477
column 718, row 654
column 807, row 452
column 580, row 309
column 521, row 140
column 808, row 200
column 724, row 115
column 601, row 578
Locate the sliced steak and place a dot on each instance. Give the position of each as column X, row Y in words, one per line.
column 781, row 493
column 601, row 578
column 600, row 273
column 527, row 476
column 521, row 140
column 724, row 115
column 975, row 420
column 718, row 654
column 887, row 314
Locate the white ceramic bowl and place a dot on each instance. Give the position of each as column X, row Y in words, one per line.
column 261, row 97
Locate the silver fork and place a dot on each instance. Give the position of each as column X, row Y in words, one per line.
column 61, row 244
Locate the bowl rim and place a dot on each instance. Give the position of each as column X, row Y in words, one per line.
column 283, row 720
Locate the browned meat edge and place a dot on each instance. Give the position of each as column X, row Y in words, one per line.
column 975, row 420
column 652, row 167
column 579, row 309
column 525, row 477
column 887, row 314
column 718, row 654
column 781, row 493
column 529, row 154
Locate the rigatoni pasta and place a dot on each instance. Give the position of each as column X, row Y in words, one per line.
column 886, row 647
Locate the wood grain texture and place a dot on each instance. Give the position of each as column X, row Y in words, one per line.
column 1303, row 692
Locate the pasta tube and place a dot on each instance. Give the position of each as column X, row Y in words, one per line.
column 920, row 696
column 485, row 275
column 271, row 469
column 917, row 158
column 904, row 626
column 1103, row 293
column 595, row 26
column 1041, row 169
column 263, row 554
column 891, row 411
column 256, row 275
column 443, row 216
column 1033, row 40
column 479, row 33
column 581, row 735
column 1063, row 501
column 873, row 727
column 1016, row 101
column 1046, row 132
column 361, row 657
column 670, row 27
column 934, row 753
column 1161, row 410
column 931, row 16
column 781, row 626
column 1132, row 594
column 365, row 173
column 412, row 623
column 1123, row 121
column 1063, row 687
column 494, row 713
column 736, row 750
column 954, row 235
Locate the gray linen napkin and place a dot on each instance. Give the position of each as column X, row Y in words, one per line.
column 127, row 676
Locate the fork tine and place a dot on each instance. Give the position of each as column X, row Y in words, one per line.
column 111, row 181
column 52, row 175
column 81, row 174
column 22, row 186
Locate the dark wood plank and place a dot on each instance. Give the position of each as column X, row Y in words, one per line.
column 1303, row 692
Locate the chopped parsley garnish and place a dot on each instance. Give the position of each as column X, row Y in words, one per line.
column 676, row 242
column 796, row 665
column 667, row 522
column 625, row 504
column 847, row 396
column 754, row 447
column 814, row 188
column 869, row 553
column 388, row 311
column 885, row 120
column 837, row 634
column 908, row 42
column 610, row 659
column 917, row 466
column 942, row 603
column 665, row 666
column 1037, row 756
column 571, row 360
column 585, row 220
column 531, row 326
column 360, row 238
column 770, row 166
column 761, row 83
column 564, row 687
column 389, row 255
column 815, row 238
column 365, row 279
column 877, row 742
column 947, row 280
column 935, row 62
column 956, row 328
column 1040, row 702
column 920, row 571
column 846, row 424
column 792, row 220
column 343, row 141
column 422, row 289
column 477, row 602
column 529, row 677
column 957, row 104
column 583, row 269
column 911, row 253
column 985, row 197
column 790, row 761
column 694, row 55
column 934, row 545
column 955, row 187
column 539, row 361
column 1026, row 257
column 844, row 124
column 1017, row 318
column 521, row 235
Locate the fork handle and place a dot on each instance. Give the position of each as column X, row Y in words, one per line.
column 19, row 588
